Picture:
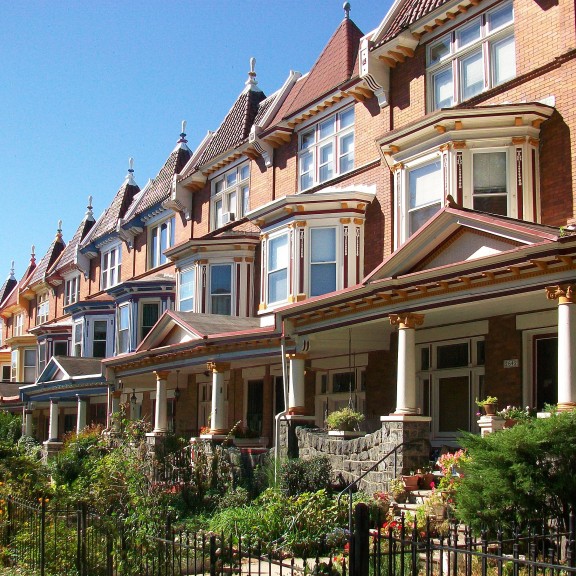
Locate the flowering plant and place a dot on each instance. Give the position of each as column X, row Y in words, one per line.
column 517, row 413
column 450, row 461
column 487, row 400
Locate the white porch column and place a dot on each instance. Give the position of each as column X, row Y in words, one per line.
column 406, row 372
column 218, row 411
column 28, row 424
column 81, row 414
column 53, row 426
column 296, row 389
column 566, row 345
column 161, row 414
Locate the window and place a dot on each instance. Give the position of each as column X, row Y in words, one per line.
column 474, row 57
column 41, row 357
column 425, row 194
column 277, row 268
column 14, row 365
column 6, row 373
column 187, row 281
column 77, row 339
column 72, row 290
column 326, row 149
column 322, row 260
column 150, row 315
column 221, row 289
column 60, row 349
column 19, row 324
column 99, row 338
column 43, row 307
column 230, row 195
column 161, row 238
column 111, row 267
column 123, row 329
column 489, row 188
column 29, row 365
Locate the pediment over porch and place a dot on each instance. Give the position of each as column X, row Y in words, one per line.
column 458, row 236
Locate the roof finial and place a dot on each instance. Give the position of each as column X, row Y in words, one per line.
column 12, row 276
column 33, row 255
column 347, row 9
column 252, row 74
column 183, row 134
column 130, row 176
column 89, row 214
column 59, row 231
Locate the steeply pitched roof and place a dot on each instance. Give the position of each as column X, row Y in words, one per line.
column 48, row 259
column 8, row 286
column 337, row 64
column 235, row 127
column 405, row 13
column 107, row 223
column 69, row 252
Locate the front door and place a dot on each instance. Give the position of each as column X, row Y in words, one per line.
column 545, row 370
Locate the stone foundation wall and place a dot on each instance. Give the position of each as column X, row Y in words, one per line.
column 351, row 458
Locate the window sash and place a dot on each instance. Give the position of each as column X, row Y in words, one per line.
column 99, row 338
column 150, row 315
column 221, row 289
column 111, row 267
column 162, row 238
column 123, row 328
column 278, row 268
column 322, row 261
column 230, row 193
column 72, row 290
column 187, row 288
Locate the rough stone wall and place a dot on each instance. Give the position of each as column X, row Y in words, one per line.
column 351, row 458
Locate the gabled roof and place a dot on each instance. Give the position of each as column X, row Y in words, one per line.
column 9, row 285
column 109, row 220
column 336, row 65
column 68, row 257
column 48, row 260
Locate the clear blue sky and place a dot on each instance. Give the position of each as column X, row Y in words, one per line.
column 86, row 85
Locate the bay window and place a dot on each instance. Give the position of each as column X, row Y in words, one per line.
column 221, row 289
column 77, row 337
column 230, row 195
column 489, row 182
column 123, row 342
column 322, row 261
column 277, row 268
column 161, row 238
column 99, row 338
column 425, row 194
column 326, row 149
column 29, row 374
column 111, row 267
column 150, row 312
column 186, row 290
column 474, row 57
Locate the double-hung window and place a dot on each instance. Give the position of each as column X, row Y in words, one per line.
column 474, row 57
column 424, row 194
column 326, row 149
column 322, row 260
column 230, row 195
column 277, row 269
column 77, row 338
column 19, row 324
column 29, row 364
column 72, row 290
column 42, row 308
column 123, row 344
column 221, row 289
column 99, row 338
column 150, row 313
column 161, row 238
column 111, row 267
column 186, row 288
column 489, row 181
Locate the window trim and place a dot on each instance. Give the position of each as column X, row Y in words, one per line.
column 18, row 327
column 42, row 308
column 240, row 187
column 337, row 262
column 141, row 326
column 72, row 290
column 111, row 275
column 210, row 295
column 456, row 54
column 158, row 258
column 319, row 143
column 193, row 270
column 127, row 329
column 75, row 343
column 268, row 271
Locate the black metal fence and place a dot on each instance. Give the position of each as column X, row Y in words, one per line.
column 39, row 538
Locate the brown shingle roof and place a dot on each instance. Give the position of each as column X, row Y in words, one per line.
column 116, row 210
column 69, row 252
column 411, row 11
column 78, row 366
column 48, row 259
column 210, row 324
column 236, row 125
column 337, row 63
column 159, row 188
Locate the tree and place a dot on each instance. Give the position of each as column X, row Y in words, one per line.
column 520, row 475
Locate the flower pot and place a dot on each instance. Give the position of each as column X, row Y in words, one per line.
column 490, row 409
column 411, row 482
column 509, row 422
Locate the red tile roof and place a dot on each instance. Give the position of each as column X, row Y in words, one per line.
column 337, row 64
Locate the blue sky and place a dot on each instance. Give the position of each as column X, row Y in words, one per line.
column 86, row 85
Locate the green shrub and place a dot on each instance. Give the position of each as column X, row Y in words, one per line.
column 521, row 474
column 298, row 476
column 10, row 427
column 345, row 419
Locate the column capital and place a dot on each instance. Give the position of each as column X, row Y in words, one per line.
column 406, row 320
column 563, row 293
column 54, row 400
column 297, row 356
column 162, row 374
column 216, row 367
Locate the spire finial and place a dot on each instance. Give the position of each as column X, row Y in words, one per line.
column 130, row 176
column 12, row 276
column 33, row 255
column 183, row 134
column 59, row 231
column 347, row 9
column 252, row 74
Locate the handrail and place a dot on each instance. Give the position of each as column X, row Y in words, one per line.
column 365, row 473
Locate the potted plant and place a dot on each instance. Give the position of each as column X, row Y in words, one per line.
column 513, row 414
column 396, row 490
column 344, row 420
column 488, row 404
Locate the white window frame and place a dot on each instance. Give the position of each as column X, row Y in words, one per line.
column 311, row 143
column 110, row 274
column 192, row 298
column 269, row 271
column 158, row 243
column 30, row 367
column 121, row 329
column 211, row 295
column 42, row 308
column 230, row 194
column 336, row 263
column 18, row 324
column 72, row 290
column 78, row 343
column 41, row 356
column 457, row 53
